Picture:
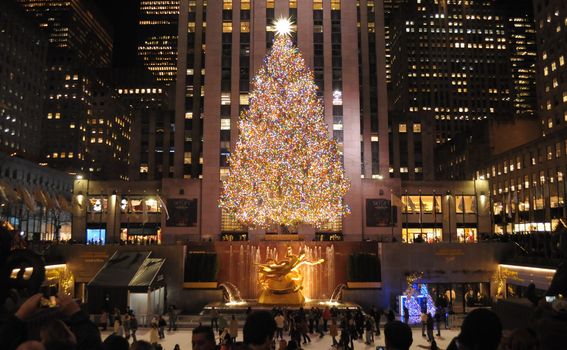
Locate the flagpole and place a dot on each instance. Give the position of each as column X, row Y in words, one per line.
column 449, row 214
column 548, row 202
column 128, row 218
column 407, row 218
column 564, row 194
column 532, row 205
column 420, row 216
column 100, row 217
column 557, row 189
column 476, row 206
column 464, row 217
column 392, row 214
column 434, row 214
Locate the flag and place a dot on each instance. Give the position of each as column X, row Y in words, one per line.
column 162, row 204
column 411, row 203
column 509, row 204
column 421, row 206
column 64, row 204
column 473, row 204
column 396, row 201
column 436, row 206
column 537, row 191
column 40, row 197
column 53, row 202
column 92, row 210
column 3, row 195
column 462, row 204
column 9, row 192
column 29, row 201
column 145, row 218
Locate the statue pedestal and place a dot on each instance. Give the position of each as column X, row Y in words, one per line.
column 268, row 297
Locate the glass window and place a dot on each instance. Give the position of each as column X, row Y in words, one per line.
column 225, row 124
column 428, row 203
column 98, row 205
column 152, row 206
column 466, row 204
column 467, row 235
column 428, row 235
column 410, row 204
column 96, row 235
column 402, row 128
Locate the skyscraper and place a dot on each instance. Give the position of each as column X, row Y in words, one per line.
column 80, row 45
column 551, row 20
column 458, row 66
column 528, row 182
column 519, row 26
column 22, row 90
column 450, row 59
column 157, row 38
column 212, row 85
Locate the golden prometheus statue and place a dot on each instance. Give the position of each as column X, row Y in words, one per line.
column 281, row 280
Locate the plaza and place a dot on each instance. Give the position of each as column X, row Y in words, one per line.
column 185, row 158
column 183, row 338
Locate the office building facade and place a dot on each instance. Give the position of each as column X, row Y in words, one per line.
column 22, row 90
column 212, row 85
column 527, row 182
column 80, row 45
column 157, row 38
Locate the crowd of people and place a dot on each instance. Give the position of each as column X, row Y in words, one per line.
column 67, row 327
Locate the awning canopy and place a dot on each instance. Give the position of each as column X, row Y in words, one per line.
column 148, row 275
column 133, row 270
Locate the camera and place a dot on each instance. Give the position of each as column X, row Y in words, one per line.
column 48, row 300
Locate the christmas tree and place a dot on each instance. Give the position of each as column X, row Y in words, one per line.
column 285, row 169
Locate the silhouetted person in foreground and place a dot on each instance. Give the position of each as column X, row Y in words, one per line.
column 115, row 342
column 559, row 282
column 481, row 329
column 203, row 338
column 259, row 330
column 76, row 332
column 397, row 335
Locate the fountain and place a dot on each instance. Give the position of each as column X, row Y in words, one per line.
column 233, row 294
column 337, row 293
column 319, row 285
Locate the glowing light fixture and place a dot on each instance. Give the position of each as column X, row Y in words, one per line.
column 282, row 26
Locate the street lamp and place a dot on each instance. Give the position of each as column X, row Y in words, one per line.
column 86, row 203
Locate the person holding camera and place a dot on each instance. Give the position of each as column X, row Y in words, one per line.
column 66, row 317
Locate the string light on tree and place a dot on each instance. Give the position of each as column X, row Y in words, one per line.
column 285, row 169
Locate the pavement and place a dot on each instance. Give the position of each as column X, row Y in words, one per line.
column 183, row 338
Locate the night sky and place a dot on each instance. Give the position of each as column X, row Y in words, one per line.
column 123, row 16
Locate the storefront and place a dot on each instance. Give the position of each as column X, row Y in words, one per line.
column 96, row 233
column 136, row 233
column 467, row 233
column 424, row 232
column 515, row 279
column 463, row 297
column 129, row 279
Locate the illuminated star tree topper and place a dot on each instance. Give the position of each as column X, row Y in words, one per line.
column 285, row 169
